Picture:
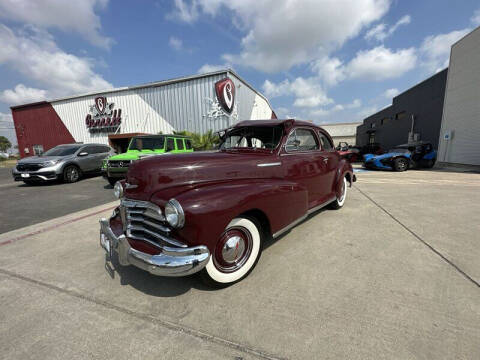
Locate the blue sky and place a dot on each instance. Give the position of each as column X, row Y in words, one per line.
column 325, row 60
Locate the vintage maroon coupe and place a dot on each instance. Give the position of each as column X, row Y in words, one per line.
column 210, row 211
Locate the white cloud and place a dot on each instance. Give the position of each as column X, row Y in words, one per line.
column 22, row 94
column 308, row 28
column 76, row 16
column 380, row 31
column 391, row 93
column 185, row 12
column 330, row 70
column 435, row 49
column 207, row 68
column 175, row 43
column 307, row 91
column 35, row 55
column 322, row 112
column 475, row 19
column 381, row 63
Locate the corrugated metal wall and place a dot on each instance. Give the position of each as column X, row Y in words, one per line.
column 183, row 105
column 461, row 113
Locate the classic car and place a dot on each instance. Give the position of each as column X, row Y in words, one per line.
column 349, row 152
column 115, row 167
column 64, row 162
column 403, row 157
column 209, row 212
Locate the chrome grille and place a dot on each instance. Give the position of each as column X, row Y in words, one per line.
column 143, row 220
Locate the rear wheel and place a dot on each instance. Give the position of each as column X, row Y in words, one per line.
column 236, row 253
column 400, row 164
column 71, row 174
column 340, row 200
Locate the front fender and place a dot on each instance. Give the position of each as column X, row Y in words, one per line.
column 210, row 208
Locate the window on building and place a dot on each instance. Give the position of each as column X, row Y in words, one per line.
column 371, row 138
column 400, row 115
column 326, row 144
column 37, row 149
column 179, row 143
column 188, row 144
column 385, row 120
column 372, row 125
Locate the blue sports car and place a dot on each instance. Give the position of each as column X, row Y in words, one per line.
column 403, row 157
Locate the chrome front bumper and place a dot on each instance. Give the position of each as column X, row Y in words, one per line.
column 170, row 262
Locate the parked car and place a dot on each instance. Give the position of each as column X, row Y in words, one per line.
column 210, row 212
column 116, row 167
column 403, row 157
column 351, row 153
column 66, row 162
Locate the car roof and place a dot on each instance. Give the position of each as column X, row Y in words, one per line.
column 275, row 122
column 162, row 135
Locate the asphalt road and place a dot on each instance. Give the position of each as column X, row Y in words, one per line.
column 394, row 274
column 22, row 205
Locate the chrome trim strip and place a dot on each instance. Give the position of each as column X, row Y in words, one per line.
column 289, row 226
column 269, row 164
column 166, row 239
column 318, row 207
column 300, row 219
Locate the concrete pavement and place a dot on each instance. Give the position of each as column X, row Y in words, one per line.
column 394, row 274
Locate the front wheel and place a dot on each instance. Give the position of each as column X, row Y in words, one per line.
column 71, row 174
column 340, row 200
column 236, row 253
column 112, row 180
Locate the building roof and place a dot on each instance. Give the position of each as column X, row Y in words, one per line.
column 342, row 129
column 148, row 85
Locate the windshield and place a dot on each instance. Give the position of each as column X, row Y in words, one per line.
column 253, row 137
column 399, row 150
column 62, row 150
column 146, row 143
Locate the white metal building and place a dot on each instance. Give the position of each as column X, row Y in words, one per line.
column 196, row 103
column 342, row 132
column 460, row 130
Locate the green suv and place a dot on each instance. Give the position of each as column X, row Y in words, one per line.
column 116, row 167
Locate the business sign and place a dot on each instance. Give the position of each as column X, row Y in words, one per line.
column 102, row 116
column 225, row 90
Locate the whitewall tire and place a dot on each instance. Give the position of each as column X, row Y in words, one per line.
column 236, row 253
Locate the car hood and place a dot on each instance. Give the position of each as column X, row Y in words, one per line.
column 368, row 157
column 133, row 155
column 158, row 173
column 40, row 159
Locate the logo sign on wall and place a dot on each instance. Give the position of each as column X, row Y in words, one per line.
column 225, row 90
column 102, row 116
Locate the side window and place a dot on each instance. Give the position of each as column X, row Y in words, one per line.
column 179, row 143
column 170, row 144
column 326, row 144
column 301, row 140
column 188, row 144
column 89, row 149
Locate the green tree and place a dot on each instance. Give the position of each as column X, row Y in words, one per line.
column 201, row 141
column 5, row 144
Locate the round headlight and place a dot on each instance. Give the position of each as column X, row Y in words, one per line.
column 118, row 190
column 174, row 214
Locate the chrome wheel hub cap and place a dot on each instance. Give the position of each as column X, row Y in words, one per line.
column 233, row 249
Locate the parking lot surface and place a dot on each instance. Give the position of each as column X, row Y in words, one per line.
column 393, row 275
column 22, row 205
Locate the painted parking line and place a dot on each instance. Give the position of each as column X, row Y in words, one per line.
column 54, row 226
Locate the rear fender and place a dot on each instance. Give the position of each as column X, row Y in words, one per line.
column 344, row 170
column 210, row 208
